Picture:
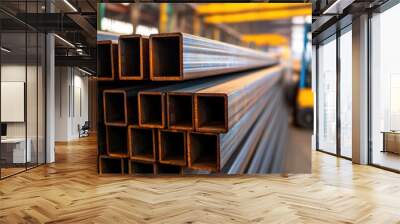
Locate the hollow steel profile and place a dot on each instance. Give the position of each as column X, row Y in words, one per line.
column 133, row 53
column 120, row 106
column 111, row 165
column 269, row 167
column 265, row 147
column 142, row 143
column 221, row 147
column 117, row 141
column 107, row 60
column 260, row 130
column 172, row 146
column 167, row 169
column 181, row 56
column 151, row 109
column 235, row 153
column 138, row 167
column 219, row 107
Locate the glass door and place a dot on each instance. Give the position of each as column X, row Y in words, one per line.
column 345, row 92
column 22, row 90
column 327, row 96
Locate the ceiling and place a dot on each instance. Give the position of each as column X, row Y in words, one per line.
column 74, row 22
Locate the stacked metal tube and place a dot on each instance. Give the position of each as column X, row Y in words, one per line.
column 227, row 118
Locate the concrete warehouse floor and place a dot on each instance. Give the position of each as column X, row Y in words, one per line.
column 71, row 191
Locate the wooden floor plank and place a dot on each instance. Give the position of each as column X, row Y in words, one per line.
column 70, row 191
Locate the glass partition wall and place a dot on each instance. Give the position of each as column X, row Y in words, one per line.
column 334, row 83
column 327, row 96
column 385, row 89
column 22, row 78
column 345, row 92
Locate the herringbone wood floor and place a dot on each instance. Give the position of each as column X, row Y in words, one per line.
column 70, row 191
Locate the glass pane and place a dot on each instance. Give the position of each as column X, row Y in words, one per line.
column 41, row 98
column 327, row 97
column 31, row 99
column 385, row 84
column 13, row 86
column 345, row 94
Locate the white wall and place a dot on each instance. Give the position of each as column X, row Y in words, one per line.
column 71, row 103
column 12, row 73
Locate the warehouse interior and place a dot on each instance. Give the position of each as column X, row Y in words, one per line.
column 341, row 145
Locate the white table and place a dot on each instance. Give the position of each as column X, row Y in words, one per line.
column 18, row 149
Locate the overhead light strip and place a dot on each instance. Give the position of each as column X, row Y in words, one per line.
column 65, row 41
column 5, row 50
column 337, row 7
column 84, row 71
column 70, row 5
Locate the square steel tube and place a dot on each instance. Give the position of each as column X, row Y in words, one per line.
column 166, row 57
column 141, row 167
column 211, row 112
column 172, row 146
column 204, row 151
column 180, row 113
column 107, row 60
column 151, row 109
column 111, row 165
column 167, row 169
column 117, row 141
column 133, row 56
column 142, row 143
column 120, row 107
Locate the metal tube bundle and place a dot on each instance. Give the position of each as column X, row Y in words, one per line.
column 229, row 123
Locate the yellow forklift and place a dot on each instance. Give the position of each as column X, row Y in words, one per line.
column 303, row 108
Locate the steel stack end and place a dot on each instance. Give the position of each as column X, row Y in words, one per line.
column 141, row 168
column 180, row 113
column 211, row 113
column 133, row 57
column 172, row 145
column 166, row 57
column 110, row 165
column 112, row 101
column 151, row 110
column 107, row 60
column 117, row 141
column 142, row 143
column 166, row 169
column 203, row 151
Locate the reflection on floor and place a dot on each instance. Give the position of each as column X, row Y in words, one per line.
column 71, row 191
column 298, row 151
column 10, row 171
column 387, row 159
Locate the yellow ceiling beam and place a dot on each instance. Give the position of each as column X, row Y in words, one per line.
column 223, row 8
column 266, row 15
column 265, row 39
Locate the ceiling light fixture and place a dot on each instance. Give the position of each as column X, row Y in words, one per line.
column 5, row 50
column 65, row 41
column 70, row 5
